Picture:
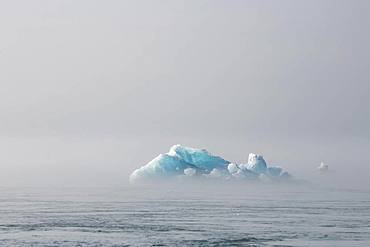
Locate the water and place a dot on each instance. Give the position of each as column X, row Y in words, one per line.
column 166, row 216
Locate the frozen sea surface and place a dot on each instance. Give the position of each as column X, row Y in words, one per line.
column 169, row 216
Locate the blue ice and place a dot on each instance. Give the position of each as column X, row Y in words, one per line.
column 183, row 161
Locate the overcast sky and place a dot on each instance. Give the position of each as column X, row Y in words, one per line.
column 91, row 90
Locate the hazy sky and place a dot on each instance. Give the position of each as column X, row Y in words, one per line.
column 91, row 90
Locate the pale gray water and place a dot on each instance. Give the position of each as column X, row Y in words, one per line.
column 235, row 216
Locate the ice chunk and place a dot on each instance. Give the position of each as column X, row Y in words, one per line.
column 190, row 171
column 240, row 172
column 215, row 173
column 201, row 158
column 323, row 167
column 256, row 163
column 235, row 171
column 233, row 168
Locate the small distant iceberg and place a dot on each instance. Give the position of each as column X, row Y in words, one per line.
column 323, row 167
column 186, row 162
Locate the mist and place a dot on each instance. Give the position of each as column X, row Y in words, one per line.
column 92, row 90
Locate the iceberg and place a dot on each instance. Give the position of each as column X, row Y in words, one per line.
column 323, row 167
column 183, row 161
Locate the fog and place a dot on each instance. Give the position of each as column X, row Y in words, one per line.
column 91, row 90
